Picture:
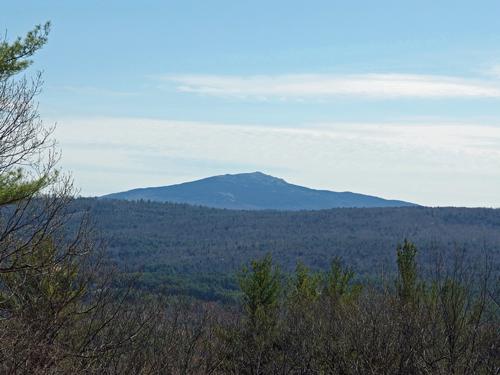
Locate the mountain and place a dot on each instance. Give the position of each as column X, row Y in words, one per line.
column 253, row 191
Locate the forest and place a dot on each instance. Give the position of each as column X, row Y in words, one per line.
column 86, row 285
column 197, row 251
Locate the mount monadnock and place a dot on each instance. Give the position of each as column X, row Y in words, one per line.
column 253, row 191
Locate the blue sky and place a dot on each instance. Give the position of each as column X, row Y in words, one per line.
column 397, row 99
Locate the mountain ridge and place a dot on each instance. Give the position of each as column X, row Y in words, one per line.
column 253, row 191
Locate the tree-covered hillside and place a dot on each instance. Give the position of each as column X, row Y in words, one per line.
column 174, row 244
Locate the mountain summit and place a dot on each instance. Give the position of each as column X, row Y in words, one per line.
column 253, row 191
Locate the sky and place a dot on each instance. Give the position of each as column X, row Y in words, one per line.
column 399, row 99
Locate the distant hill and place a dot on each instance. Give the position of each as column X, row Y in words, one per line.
column 253, row 191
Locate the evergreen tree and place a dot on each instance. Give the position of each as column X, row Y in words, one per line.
column 407, row 284
column 14, row 57
column 261, row 288
column 57, row 315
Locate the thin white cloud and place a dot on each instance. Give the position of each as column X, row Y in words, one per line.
column 96, row 91
column 302, row 86
column 451, row 164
